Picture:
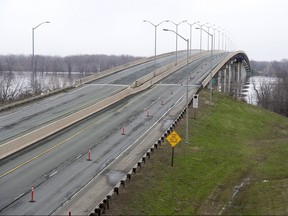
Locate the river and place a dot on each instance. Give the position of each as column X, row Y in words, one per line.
column 248, row 91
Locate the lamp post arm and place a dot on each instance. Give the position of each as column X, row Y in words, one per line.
column 205, row 31
column 191, row 25
column 40, row 24
column 155, row 25
column 149, row 22
column 176, row 34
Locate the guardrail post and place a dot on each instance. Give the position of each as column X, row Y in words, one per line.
column 139, row 164
column 122, row 182
column 103, row 207
column 129, row 176
column 97, row 211
column 116, row 190
column 106, row 202
column 148, row 154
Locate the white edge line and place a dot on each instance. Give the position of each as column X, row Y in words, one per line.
column 16, row 198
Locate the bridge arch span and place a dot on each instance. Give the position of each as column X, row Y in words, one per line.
column 229, row 74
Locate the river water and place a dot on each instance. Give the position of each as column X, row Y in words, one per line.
column 248, row 91
column 48, row 81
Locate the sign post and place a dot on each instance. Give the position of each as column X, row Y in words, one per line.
column 173, row 139
column 195, row 104
column 172, row 160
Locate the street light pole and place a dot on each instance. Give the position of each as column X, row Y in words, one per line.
column 223, row 31
column 33, row 58
column 201, row 37
column 208, row 27
column 187, row 89
column 218, row 39
column 155, row 26
column 214, row 39
column 191, row 34
column 177, row 24
column 211, row 67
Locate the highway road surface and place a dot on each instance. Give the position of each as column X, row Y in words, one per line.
column 57, row 167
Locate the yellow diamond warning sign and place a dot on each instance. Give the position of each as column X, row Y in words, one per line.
column 173, row 138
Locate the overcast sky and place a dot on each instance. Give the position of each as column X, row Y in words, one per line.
column 259, row 27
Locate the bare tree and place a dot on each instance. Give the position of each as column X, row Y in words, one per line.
column 273, row 95
column 263, row 93
column 10, row 87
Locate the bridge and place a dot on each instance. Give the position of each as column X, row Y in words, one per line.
column 76, row 148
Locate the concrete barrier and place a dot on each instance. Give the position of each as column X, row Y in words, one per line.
column 38, row 97
column 119, row 68
column 164, row 71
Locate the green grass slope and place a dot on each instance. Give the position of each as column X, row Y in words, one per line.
column 236, row 162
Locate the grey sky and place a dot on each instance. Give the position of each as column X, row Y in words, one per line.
column 116, row 26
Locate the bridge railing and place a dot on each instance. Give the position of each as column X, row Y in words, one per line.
column 220, row 65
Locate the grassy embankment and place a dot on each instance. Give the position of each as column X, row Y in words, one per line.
column 236, row 163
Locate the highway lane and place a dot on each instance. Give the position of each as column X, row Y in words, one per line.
column 19, row 121
column 62, row 158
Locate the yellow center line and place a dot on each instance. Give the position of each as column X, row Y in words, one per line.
column 46, row 151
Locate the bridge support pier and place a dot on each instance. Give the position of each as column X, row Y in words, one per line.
column 222, row 77
column 229, row 78
column 240, row 78
column 225, row 79
column 234, row 79
column 219, row 80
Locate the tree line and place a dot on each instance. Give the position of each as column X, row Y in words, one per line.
column 272, row 95
column 13, row 88
column 73, row 63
